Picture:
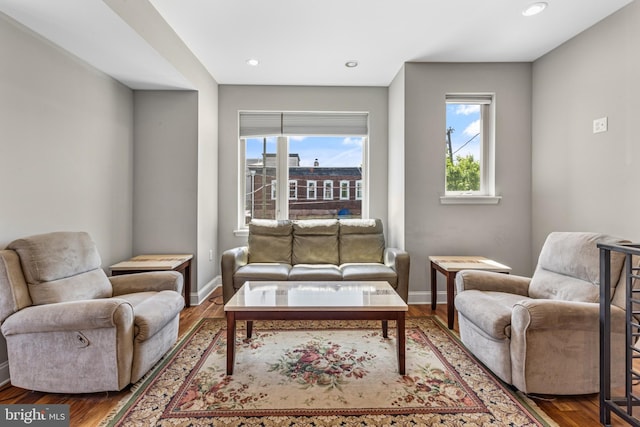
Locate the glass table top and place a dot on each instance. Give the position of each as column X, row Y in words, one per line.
column 339, row 296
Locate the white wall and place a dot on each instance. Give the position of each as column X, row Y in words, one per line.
column 584, row 181
column 66, row 148
column 294, row 98
column 501, row 231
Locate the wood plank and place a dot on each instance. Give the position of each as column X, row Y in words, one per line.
column 90, row 409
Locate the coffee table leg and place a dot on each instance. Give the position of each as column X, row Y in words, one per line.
column 231, row 341
column 249, row 328
column 385, row 329
column 401, row 344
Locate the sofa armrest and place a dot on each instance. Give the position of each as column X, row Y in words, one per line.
column 492, row 281
column 67, row 316
column 399, row 261
column 149, row 281
column 232, row 259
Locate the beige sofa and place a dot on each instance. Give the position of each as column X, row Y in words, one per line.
column 541, row 334
column 70, row 328
column 315, row 250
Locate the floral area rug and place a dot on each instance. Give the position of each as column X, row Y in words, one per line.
column 322, row 374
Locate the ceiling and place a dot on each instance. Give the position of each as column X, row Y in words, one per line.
column 308, row 42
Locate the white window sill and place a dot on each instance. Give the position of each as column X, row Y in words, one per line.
column 470, row 200
column 241, row 232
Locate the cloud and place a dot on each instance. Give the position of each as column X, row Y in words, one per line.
column 473, row 128
column 466, row 109
column 352, row 141
column 297, row 138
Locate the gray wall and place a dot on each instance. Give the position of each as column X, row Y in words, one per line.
column 165, row 172
column 66, row 148
column 396, row 195
column 196, row 150
column 293, row 98
column 584, row 181
column 501, row 231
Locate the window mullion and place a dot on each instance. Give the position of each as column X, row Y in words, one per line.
column 282, row 195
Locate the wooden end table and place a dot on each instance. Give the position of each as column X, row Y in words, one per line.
column 159, row 262
column 450, row 266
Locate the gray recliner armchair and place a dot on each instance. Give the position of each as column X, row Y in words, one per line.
column 541, row 334
column 71, row 329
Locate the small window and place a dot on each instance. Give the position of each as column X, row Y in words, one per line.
column 359, row 189
column 273, row 189
column 344, row 190
column 311, row 190
column 469, row 145
column 293, row 189
column 328, row 190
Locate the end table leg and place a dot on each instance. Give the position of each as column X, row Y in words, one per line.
column 231, row 341
column 451, row 277
column 434, row 287
column 401, row 344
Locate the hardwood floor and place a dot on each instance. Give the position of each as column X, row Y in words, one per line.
column 90, row 409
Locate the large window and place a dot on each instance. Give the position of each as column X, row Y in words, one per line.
column 321, row 151
column 469, row 145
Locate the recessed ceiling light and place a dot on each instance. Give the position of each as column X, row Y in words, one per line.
column 535, row 8
column 351, row 64
column 253, row 62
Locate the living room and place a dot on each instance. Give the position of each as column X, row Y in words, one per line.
column 82, row 151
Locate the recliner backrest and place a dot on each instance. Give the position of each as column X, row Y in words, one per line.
column 569, row 267
column 61, row 266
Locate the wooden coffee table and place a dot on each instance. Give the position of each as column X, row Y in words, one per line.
column 315, row 301
column 450, row 266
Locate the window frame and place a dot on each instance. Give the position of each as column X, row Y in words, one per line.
column 356, row 121
column 295, row 189
column 487, row 193
column 344, row 184
column 312, row 183
column 324, row 189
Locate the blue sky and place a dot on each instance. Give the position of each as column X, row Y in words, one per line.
column 347, row 151
column 465, row 119
column 330, row 151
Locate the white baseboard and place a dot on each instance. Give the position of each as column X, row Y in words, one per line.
column 206, row 290
column 424, row 297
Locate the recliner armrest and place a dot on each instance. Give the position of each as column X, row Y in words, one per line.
column 399, row 261
column 67, row 316
column 492, row 281
column 149, row 281
column 541, row 314
column 232, row 259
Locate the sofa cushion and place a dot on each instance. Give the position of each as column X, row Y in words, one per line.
column 569, row 267
column 152, row 311
column 361, row 240
column 260, row 272
column 369, row 272
column 270, row 241
column 306, row 272
column 315, row 242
